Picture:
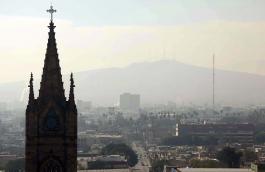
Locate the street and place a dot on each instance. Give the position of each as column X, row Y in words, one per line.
column 143, row 162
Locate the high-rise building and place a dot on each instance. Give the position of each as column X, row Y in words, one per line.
column 51, row 120
column 130, row 101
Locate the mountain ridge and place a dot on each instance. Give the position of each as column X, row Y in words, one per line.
column 157, row 82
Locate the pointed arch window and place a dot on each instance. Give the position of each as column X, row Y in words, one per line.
column 51, row 121
column 51, row 165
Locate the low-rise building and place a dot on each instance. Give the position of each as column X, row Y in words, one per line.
column 226, row 133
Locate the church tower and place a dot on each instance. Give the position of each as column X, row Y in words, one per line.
column 51, row 119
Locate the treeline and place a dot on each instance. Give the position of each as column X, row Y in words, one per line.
column 17, row 165
column 123, row 150
column 115, row 149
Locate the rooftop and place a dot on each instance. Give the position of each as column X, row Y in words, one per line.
column 214, row 170
column 105, row 170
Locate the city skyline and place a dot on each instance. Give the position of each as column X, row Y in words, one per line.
column 132, row 85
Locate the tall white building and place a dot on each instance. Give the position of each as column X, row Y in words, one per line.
column 129, row 101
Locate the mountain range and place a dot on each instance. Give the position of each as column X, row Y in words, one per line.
column 157, row 82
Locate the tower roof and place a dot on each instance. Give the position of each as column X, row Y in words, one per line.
column 51, row 84
column 31, row 90
column 71, row 92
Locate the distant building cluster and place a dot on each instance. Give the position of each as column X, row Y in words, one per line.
column 84, row 106
column 3, row 106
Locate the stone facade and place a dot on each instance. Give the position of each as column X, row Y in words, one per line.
column 51, row 119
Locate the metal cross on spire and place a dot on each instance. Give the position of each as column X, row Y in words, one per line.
column 51, row 10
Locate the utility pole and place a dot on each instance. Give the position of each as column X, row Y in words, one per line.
column 213, row 82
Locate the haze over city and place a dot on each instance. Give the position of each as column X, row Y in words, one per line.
column 132, row 85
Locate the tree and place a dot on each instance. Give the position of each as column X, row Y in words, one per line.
column 17, row 165
column 2, row 167
column 230, row 157
column 257, row 116
column 249, row 156
column 231, row 120
column 260, row 137
column 195, row 163
column 158, row 166
column 121, row 149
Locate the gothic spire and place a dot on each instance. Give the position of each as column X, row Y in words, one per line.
column 31, row 89
column 71, row 93
column 51, row 83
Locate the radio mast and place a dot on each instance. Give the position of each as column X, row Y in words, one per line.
column 213, row 82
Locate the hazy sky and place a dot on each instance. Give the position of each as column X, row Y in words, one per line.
column 112, row 33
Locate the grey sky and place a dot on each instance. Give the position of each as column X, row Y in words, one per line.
column 115, row 33
column 139, row 12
